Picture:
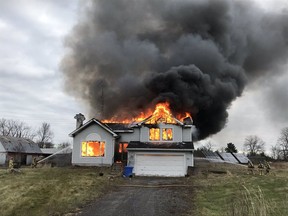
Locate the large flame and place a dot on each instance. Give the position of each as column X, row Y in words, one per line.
column 161, row 113
column 93, row 149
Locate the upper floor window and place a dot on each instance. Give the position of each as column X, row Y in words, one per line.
column 93, row 149
column 167, row 134
column 154, row 134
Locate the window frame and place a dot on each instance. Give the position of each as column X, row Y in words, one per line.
column 161, row 132
column 167, row 136
column 154, row 134
column 97, row 141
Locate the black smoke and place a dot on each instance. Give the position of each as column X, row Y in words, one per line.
column 126, row 55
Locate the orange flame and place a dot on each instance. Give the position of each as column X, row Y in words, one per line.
column 154, row 134
column 182, row 117
column 167, row 134
column 93, row 149
column 162, row 113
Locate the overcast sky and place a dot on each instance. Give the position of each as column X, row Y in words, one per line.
column 31, row 87
column 31, row 47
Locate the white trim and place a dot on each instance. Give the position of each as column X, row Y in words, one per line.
column 123, row 131
column 89, row 122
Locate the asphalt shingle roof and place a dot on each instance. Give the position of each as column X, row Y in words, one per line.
column 14, row 144
column 160, row 145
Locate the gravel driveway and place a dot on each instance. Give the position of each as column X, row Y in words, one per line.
column 143, row 196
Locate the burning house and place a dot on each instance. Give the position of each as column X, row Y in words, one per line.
column 198, row 55
column 159, row 144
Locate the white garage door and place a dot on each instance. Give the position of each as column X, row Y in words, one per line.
column 160, row 165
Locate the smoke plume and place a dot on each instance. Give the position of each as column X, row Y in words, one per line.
column 126, row 55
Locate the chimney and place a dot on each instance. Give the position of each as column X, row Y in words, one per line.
column 79, row 120
column 188, row 121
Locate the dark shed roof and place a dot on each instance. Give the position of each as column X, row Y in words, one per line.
column 118, row 126
column 14, row 144
column 166, row 145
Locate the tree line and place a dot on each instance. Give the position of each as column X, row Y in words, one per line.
column 43, row 135
column 256, row 146
column 253, row 145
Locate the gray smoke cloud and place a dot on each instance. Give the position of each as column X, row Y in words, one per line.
column 125, row 56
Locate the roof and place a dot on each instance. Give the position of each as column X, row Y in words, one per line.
column 15, row 144
column 119, row 126
column 49, row 150
column 159, row 145
column 93, row 121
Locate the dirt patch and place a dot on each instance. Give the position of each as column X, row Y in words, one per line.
column 143, row 196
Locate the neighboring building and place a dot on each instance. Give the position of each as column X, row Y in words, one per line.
column 22, row 150
column 161, row 145
column 56, row 157
column 48, row 151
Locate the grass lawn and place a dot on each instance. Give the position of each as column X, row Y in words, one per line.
column 49, row 191
column 219, row 190
column 222, row 189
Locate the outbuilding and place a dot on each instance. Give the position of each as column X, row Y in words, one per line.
column 22, row 150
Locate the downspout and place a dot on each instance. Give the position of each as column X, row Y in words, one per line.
column 113, row 150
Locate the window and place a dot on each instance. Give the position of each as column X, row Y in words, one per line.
column 93, row 149
column 154, row 134
column 167, row 134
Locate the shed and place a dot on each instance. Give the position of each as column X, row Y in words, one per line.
column 21, row 149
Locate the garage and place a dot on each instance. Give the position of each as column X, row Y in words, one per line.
column 160, row 164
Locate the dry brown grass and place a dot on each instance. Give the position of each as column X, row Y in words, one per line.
column 49, row 191
column 279, row 165
column 220, row 189
column 226, row 189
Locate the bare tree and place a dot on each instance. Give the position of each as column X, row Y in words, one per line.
column 208, row 146
column 3, row 127
column 276, row 153
column 282, row 144
column 254, row 145
column 45, row 136
column 222, row 149
column 9, row 127
column 63, row 145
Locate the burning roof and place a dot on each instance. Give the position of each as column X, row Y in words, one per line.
column 161, row 114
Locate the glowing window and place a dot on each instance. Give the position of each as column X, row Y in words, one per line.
column 93, row 149
column 167, row 134
column 122, row 147
column 154, row 134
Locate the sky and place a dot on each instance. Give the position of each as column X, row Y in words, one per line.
column 31, row 47
column 32, row 35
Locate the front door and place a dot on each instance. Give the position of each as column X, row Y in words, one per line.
column 121, row 152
